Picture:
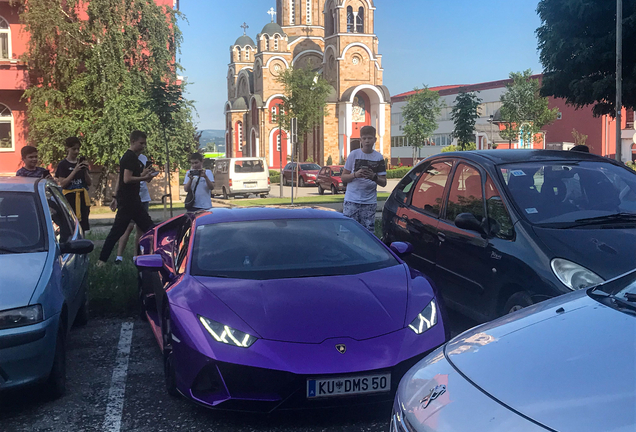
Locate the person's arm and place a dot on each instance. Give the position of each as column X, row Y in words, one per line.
column 209, row 182
column 188, row 183
column 65, row 181
column 87, row 176
column 348, row 176
column 113, row 203
column 129, row 178
column 379, row 179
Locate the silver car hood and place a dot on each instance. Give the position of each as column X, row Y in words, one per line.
column 19, row 276
column 568, row 363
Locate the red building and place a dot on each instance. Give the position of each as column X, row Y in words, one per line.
column 13, row 83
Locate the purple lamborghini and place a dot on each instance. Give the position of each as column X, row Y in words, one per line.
column 267, row 308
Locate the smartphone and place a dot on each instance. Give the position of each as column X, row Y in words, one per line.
column 82, row 159
column 194, row 173
column 154, row 174
column 148, row 164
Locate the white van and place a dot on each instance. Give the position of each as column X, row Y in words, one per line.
column 241, row 176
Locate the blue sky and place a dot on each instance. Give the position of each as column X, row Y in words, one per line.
column 427, row 42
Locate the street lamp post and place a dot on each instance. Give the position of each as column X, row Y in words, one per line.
column 619, row 78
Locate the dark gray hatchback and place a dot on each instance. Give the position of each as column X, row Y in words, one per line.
column 500, row 230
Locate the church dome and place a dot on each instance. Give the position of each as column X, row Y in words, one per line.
column 272, row 29
column 245, row 41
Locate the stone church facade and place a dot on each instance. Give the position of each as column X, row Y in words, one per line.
column 335, row 37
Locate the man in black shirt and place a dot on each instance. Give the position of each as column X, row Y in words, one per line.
column 129, row 207
column 72, row 174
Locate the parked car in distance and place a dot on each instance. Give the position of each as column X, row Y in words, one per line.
column 558, row 354
column 43, row 282
column 241, row 176
column 306, row 176
column 504, row 229
column 248, row 320
column 329, row 180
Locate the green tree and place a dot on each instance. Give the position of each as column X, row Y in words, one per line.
column 454, row 148
column 420, row 117
column 465, row 114
column 579, row 138
column 306, row 93
column 524, row 111
column 95, row 77
column 577, row 47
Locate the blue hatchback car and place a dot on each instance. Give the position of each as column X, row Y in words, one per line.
column 43, row 281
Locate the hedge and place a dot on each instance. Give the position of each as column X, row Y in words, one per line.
column 397, row 173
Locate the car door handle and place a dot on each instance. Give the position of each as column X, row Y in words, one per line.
column 441, row 237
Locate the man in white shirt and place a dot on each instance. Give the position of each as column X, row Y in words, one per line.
column 364, row 170
column 200, row 182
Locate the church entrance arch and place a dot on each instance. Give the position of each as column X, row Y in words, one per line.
column 277, row 145
column 360, row 113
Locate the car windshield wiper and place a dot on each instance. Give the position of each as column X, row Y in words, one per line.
column 616, row 217
column 629, row 302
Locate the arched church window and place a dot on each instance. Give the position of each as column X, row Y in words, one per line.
column 276, row 43
column 360, row 21
column 274, row 113
column 278, row 141
column 5, row 39
column 6, row 128
column 239, row 133
column 266, row 43
column 350, row 20
column 292, row 12
column 308, row 6
column 247, row 53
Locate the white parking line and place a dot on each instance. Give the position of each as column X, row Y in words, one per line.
column 115, row 407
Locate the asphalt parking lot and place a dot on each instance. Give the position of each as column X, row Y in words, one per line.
column 115, row 383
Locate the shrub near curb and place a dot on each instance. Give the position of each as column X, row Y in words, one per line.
column 397, row 173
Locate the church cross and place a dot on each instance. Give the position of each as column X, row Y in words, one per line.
column 245, row 27
column 307, row 30
column 272, row 13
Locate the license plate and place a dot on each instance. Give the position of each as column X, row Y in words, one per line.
column 347, row 386
column 250, row 185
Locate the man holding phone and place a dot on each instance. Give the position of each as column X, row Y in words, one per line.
column 364, row 170
column 72, row 174
column 129, row 207
column 200, row 182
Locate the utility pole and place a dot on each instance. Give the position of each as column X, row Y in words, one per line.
column 619, row 78
column 280, row 151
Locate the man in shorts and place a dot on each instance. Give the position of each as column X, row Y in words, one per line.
column 364, row 170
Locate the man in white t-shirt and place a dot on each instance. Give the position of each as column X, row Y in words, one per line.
column 200, row 181
column 364, row 170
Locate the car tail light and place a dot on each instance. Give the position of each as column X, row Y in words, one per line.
column 230, row 183
column 269, row 182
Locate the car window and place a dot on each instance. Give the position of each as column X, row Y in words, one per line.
column 497, row 212
column 466, row 194
column 309, row 167
column 20, row 225
column 278, row 249
column 429, row 191
column 61, row 225
column 559, row 192
column 337, row 172
column 249, row 166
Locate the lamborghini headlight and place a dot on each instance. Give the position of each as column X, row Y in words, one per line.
column 227, row 335
column 426, row 319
